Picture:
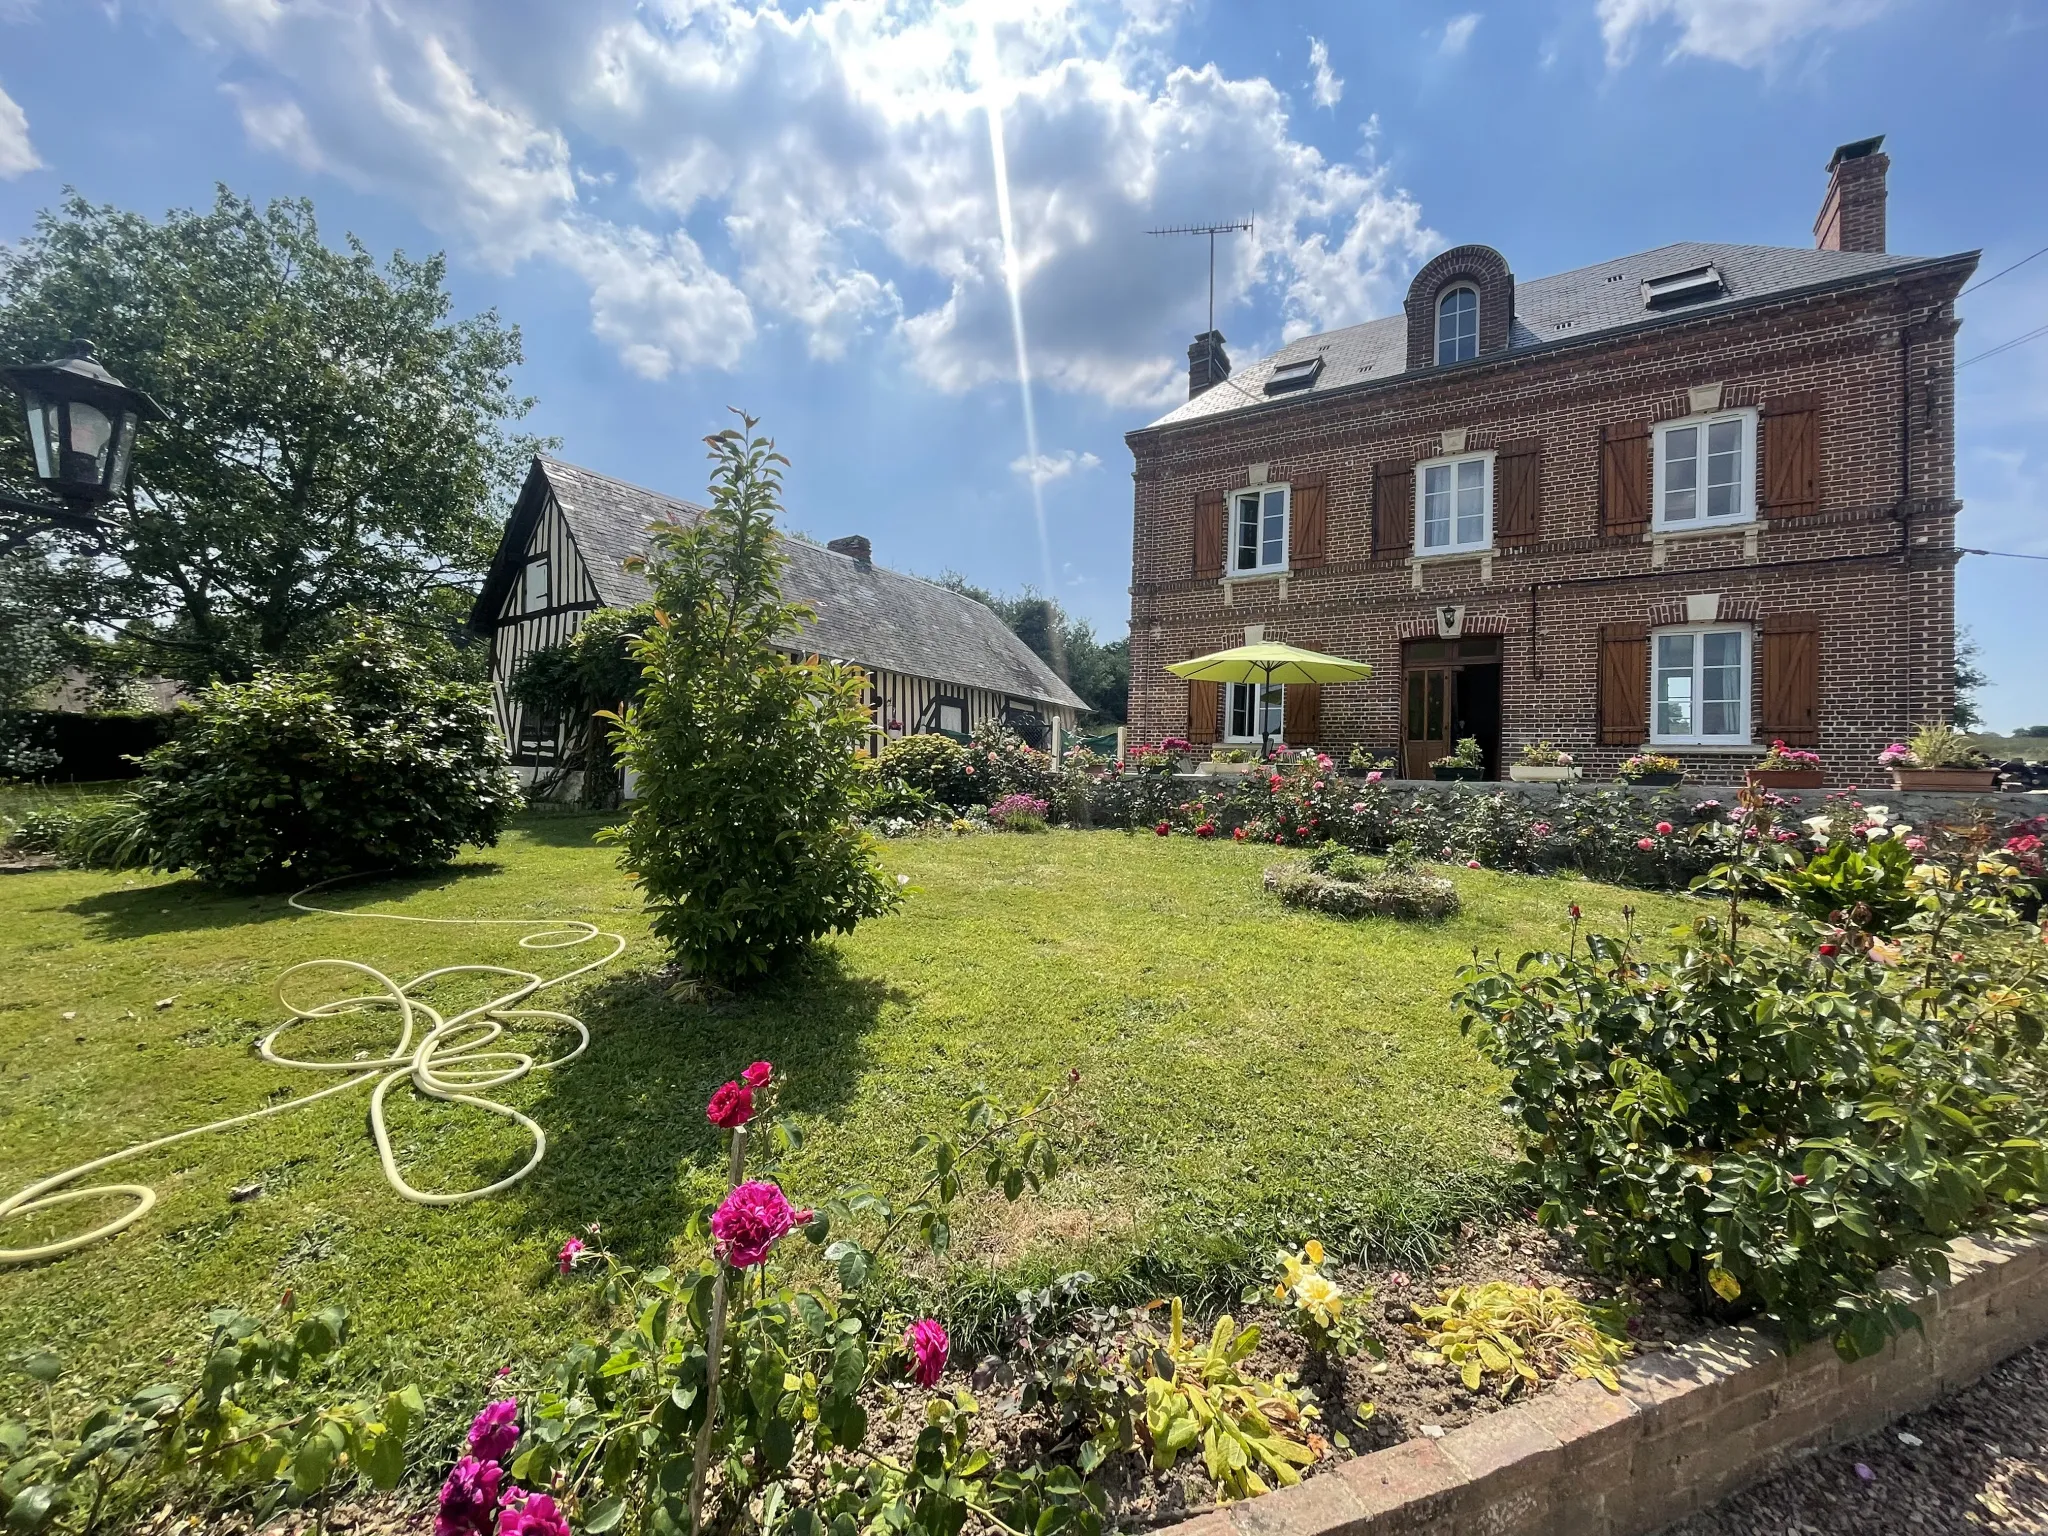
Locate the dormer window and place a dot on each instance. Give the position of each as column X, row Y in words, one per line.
column 1687, row 287
column 1296, row 375
column 1457, row 325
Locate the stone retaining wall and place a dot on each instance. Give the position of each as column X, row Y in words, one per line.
column 1688, row 1427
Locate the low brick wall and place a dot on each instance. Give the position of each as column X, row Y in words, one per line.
column 1688, row 1427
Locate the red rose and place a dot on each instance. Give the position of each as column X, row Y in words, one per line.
column 1163, row 828
column 1238, row 833
column 758, row 1074
column 1799, row 1181
column 1575, row 911
column 731, row 1107
column 1827, row 949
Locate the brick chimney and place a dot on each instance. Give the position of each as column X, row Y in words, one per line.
column 1208, row 363
column 854, row 545
column 1852, row 214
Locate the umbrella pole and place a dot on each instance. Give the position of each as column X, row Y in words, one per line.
column 1265, row 725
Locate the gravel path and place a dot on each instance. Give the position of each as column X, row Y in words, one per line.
column 1977, row 1461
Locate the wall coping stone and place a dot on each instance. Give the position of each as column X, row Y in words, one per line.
column 1689, row 1426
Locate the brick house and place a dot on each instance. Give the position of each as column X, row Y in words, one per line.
column 1689, row 500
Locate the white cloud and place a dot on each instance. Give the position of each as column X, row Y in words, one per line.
column 1743, row 32
column 1458, row 32
column 1053, row 466
column 709, row 167
column 1329, row 88
column 17, row 155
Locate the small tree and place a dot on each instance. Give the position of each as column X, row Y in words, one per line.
column 370, row 759
column 742, row 835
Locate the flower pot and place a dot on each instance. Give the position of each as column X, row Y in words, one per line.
column 1656, row 780
column 1215, row 767
column 1785, row 778
column 1547, row 773
column 1944, row 778
column 1459, row 774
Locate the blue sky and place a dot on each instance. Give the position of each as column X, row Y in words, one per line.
column 689, row 204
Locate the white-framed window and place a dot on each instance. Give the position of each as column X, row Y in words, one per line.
column 949, row 714
column 534, row 592
column 1699, row 685
column 1258, row 530
column 1253, row 711
column 1454, row 504
column 1705, row 471
column 1457, row 324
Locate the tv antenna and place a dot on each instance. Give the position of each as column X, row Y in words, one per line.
column 1212, row 231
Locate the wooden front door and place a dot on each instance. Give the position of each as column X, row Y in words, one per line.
column 1426, row 726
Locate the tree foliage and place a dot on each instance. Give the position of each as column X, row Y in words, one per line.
column 370, row 759
column 338, row 440
column 742, row 834
column 583, row 682
column 1100, row 672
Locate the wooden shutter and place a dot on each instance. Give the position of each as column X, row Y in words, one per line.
column 1791, row 456
column 1518, row 492
column 1393, row 528
column 1308, row 531
column 1792, row 679
column 1205, row 714
column 1209, row 533
column 1301, row 719
column 1624, row 684
column 1625, row 477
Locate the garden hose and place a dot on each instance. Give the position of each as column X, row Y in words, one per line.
column 452, row 1061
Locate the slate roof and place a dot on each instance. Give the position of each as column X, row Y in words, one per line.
column 1556, row 311
column 866, row 613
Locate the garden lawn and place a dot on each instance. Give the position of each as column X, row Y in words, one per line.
column 1248, row 1073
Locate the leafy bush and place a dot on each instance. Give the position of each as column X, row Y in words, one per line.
column 582, row 682
column 883, row 797
column 742, row 837
column 367, row 760
column 934, row 765
column 1409, row 894
column 1794, row 1103
column 1018, row 813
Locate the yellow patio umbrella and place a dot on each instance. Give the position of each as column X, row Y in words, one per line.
column 1269, row 662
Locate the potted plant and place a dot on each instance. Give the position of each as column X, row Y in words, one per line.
column 1229, row 760
column 1543, row 764
column 1651, row 768
column 1468, row 762
column 1938, row 757
column 1368, row 765
column 1786, row 767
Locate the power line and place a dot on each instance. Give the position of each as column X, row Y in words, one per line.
column 2003, row 554
column 2006, row 346
column 1994, row 277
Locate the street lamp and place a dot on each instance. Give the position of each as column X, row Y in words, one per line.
column 82, row 423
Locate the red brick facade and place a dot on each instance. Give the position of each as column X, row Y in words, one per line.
column 1860, row 574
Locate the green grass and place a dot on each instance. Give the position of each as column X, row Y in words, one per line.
column 1247, row 1072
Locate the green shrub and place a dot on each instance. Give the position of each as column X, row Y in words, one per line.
column 742, row 837
column 367, row 760
column 934, row 765
column 1409, row 894
column 1793, row 1104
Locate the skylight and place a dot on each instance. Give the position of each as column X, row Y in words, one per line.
column 1687, row 287
column 1295, row 375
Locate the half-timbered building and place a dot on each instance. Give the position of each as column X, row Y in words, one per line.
column 935, row 659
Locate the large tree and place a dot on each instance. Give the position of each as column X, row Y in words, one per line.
column 339, row 442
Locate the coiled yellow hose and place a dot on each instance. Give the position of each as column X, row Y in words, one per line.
column 451, row 1062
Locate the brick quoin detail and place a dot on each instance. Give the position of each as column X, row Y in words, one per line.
column 1874, row 559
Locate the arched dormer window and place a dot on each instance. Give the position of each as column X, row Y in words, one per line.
column 1457, row 325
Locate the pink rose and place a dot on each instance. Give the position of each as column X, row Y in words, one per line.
column 1373, row 777
column 469, row 1498
column 572, row 1250
column 753, row 1219
column 493, row 1432
column 1541, row 828
column 1645, row 844
column 535, row 1515
column 1663, row 829
column 1471, row 863
column 731, row 1107
column 927, row 1342
column 757, row 1075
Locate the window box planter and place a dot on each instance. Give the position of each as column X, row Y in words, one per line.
column 1213, row 767
column 1656, row 780
column 1459, row 775
column 1552, row 773
column 1786, row 778
column 1944, row 778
